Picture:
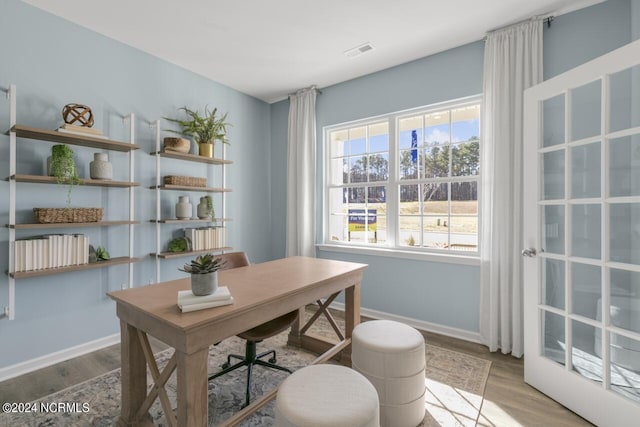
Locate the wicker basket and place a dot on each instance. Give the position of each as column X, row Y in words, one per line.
column 189, row 181
column 61, row 215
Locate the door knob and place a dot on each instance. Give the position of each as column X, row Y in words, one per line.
column 529, row 252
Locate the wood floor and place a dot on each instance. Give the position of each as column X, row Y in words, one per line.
column 508, row 401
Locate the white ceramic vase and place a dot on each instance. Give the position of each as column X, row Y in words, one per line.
column 203, row 209
column 184, row 209
column 100, row 167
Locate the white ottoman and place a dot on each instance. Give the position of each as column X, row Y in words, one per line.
column 391, row 355
column 327, row 396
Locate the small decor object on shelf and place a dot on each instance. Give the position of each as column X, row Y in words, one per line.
column 61, row 165
column 67, row 215
column 100, row 168
column 81, row 130
column 204, row 129
column 77, row 114
column 189, row 181
column 184, row 209
column 102, row 254
column 181, row 145
column 180, row 244
column 205, row 208
column 204, row 274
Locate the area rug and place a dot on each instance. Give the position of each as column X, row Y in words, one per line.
column 455, row 385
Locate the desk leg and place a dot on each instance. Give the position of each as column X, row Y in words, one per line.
column 192, row 388
column 351, row 317
column 133, row 378
column 295, row 339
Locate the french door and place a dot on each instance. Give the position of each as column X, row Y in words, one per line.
column 582, row 238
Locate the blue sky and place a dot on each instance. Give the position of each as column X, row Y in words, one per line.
column 461, row 131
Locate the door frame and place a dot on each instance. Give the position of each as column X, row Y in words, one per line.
column 588, row 399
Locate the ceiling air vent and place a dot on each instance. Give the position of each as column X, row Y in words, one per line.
column 359, row 50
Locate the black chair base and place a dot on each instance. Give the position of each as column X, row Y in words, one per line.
column 249, row 360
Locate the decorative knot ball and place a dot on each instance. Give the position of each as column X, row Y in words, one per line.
column 77, row 114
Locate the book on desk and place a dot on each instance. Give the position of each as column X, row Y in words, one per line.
column 187, row 301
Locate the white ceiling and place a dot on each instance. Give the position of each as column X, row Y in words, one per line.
column 268, row 49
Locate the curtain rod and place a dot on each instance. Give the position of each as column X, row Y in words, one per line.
column 318, row 91
column 548, row 20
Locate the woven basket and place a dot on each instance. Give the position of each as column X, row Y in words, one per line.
column 60, row 215
column 189, row 181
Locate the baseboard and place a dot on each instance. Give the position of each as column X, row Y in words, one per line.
column 57, row 357
column 418, row 324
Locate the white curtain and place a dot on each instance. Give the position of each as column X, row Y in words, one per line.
column 512, row 63
column 301, row 174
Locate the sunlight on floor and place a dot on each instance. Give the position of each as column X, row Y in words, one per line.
column 449, row 406
column 494, row 416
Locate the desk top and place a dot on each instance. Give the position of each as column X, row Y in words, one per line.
column 250, row 286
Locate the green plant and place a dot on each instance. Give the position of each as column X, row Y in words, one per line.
column 180, row 244
column 203, row 264
column 206, row 128
column 102, row 254
column 411, row 241
column 63, row 168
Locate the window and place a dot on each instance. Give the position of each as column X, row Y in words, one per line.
column 406, row 180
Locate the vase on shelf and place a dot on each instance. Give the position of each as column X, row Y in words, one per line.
column 183, row 208
column 204, row 211
column 100, row 167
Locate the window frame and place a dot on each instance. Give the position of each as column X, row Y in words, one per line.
column 393, row 183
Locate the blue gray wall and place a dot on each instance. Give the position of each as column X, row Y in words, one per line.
column 54, row 62
column 445, row 294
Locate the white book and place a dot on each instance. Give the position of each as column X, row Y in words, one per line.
column 86, row 249
column 65, row 248
column 39, row 254
column 82, row 134
column 59, row 249
column 46, row 256
column 194, row 307
column 188, row 298
column 28, row 255
column 18, row 256
column 74, row 250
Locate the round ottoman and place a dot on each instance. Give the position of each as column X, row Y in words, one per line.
column 327, row 396
column 391, row 355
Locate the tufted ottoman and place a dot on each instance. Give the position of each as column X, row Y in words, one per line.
column 327, row 396
column 391, row 355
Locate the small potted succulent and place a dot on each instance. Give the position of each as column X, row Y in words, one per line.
column 204, row 274
column 205, row 129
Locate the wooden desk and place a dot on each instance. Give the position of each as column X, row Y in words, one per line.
column 261, row 292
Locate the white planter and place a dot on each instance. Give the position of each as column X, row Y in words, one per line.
column 100, row 168
column 184, row 209
column 204, row 284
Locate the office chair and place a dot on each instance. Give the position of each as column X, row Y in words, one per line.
column 254, row 335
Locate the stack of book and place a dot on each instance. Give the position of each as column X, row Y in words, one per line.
column 51, row 251
column 187, row 301
column 81, row 130
column 206, row 237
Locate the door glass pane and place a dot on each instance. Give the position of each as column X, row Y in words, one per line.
column 586, row 290
column 553, row 342
column 553, row 229
column 585, row 171
column 623, row 113
column 586, row 351
column 585, row 111
column 625, row 366
column 553, row 285
column 553, row 175
column 625, row 232
column 553, row 121
column 624, row 164
column 586, row 238
column 625, row 295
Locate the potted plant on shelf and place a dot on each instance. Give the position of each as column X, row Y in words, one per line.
column 62, row 166
column 204, row 274
column 204, row 129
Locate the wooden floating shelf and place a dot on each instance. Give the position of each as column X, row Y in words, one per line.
column 191, row 157
column 169, row 255
column 189, row 188
column 71, row 139
column 71, row 224
column 40, row 179
column 91, row 266
column 182, row 221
